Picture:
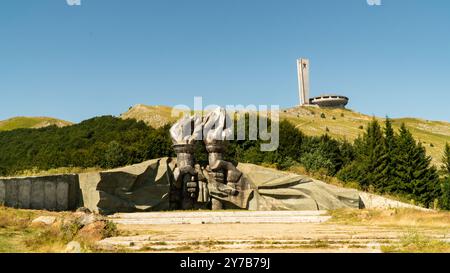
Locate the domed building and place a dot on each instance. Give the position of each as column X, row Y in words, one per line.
column 333, row 101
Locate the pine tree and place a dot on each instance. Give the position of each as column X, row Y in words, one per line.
column 417, row 179
column 389, row 181
column 446, row 160
column 445, row 185
column 444, row 201
column 370, row 154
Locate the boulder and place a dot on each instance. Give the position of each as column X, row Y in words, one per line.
column 86, row 219
column 92, row 232
column 44, row 220
column 73, row 247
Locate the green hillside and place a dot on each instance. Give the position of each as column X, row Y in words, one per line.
column 31, row 122
column 339, row 123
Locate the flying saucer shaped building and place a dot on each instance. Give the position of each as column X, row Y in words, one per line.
column 331, row 101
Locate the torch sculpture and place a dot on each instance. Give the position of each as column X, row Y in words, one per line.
column 184, row 133
column 217, row 128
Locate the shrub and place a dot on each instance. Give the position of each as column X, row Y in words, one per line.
column 110, row 230
column 315, row 161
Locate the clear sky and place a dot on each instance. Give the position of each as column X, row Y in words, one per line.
column 76, row 62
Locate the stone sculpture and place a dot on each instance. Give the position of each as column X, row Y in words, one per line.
column 216, row 183
column 221, row 185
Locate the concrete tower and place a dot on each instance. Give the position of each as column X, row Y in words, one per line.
column 303, row 80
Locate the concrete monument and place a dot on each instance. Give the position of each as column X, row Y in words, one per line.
column 331, row 101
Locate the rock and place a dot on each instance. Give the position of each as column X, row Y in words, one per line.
column 86, row 219
column 92, row 232
column 83, row 210
column 73, row 247
column 44, row 220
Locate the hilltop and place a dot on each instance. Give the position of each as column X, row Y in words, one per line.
column 154, row 116
column 338, row 123
column 31, row 122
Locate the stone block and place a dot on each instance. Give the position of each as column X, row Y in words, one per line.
column 62, row 196
column 50, row 195
column 12, row 193
column 24, row 194
column 2, row 192
column 37, row 195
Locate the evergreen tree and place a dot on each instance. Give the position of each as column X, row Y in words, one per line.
column 388, row 181
column 372, row 152
column 446, row 159
column 417, row 179
column 445, row 198
column 369, row 155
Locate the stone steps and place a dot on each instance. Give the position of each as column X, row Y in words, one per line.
column 221, row 217
column 144, row 243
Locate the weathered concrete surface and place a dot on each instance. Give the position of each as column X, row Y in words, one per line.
column 276, row 190
column 37, row 194
column 12, row 194
column 372, row 201
column 140, row 187
column 2, row 192
column 25, row 194
column 58, row 193
column 220, row 217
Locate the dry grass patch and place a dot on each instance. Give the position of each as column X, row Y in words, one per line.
column 415, row 242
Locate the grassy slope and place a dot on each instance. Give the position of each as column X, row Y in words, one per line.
column 155, row 116
column 30, row 122
column 345, row 124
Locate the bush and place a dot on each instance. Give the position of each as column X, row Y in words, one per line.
column 110, row 230
column 316, row 161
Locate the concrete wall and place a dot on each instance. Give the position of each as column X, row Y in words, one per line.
column 372, row 201
column 57, row 193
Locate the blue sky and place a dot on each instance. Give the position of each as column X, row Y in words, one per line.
column 75, row 62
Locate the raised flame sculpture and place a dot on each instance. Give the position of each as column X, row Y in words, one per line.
column 185, row 190
column 198, row 187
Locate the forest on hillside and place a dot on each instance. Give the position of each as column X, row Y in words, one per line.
column 381, row 160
